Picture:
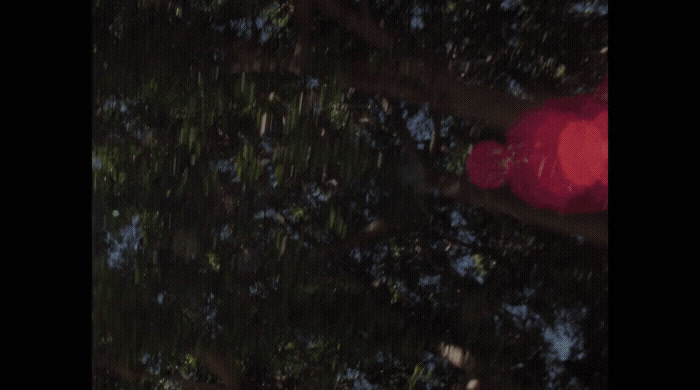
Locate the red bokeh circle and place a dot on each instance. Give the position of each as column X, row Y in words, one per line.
column 555, row 157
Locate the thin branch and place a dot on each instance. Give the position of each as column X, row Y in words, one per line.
column 593, row 227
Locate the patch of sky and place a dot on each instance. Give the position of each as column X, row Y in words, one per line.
column 456, row 219
column 427, row 280
column 429, row 359
column 588, row 8
column 314, row 194
column 110, row 104
column 564, row 334
column 358, row 378
column 153, row 363
column 380, row 357
column 381, row 114
column 445, row 125
column 465, row 236
column 462, row 265
column 356, row 254
column 430, row 380
column 516, row 89
column 288, row 215
column 211, row 308
column 416, row 299
column 510, row 5
column 225, row 233
column 96, row 163
column 243, row 27
column 498, row 323
column 271, row 176
column 417, row 18
column 265, row 31
column 388, row 360
column 364, row 135
column 257, row 290
column 268, row 213
column 380, row 253
column 265, row 144
column 514, row 41
column 311, row 342
column 127, row 243
column 400, row 287
column 160, row 297
column 377, row 272
column 561, row 338
column 269, row 22
column 554, row 369
column 420, row 125
column 224, row 165
column 312, row 82
column 524, row 317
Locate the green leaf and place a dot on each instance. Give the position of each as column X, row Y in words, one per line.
column 184, row 133
column 279, row 172
column 252, row 94
column 331, row 218
column 192, row 137
column 256, row 170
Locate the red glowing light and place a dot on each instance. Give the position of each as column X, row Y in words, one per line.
column 555, row 157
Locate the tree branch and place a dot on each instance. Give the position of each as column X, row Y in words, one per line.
column 362, row 24
column 414, row 80
column 592, row 226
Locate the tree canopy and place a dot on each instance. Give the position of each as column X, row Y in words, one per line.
column 279, row 197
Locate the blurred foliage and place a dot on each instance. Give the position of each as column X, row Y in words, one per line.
column 235, row 211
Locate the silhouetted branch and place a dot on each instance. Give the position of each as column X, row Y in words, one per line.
column 414, row 80
column 592, row 226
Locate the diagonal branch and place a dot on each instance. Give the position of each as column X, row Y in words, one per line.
column 592, row 226
column 413, row 79
column 360, row 23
